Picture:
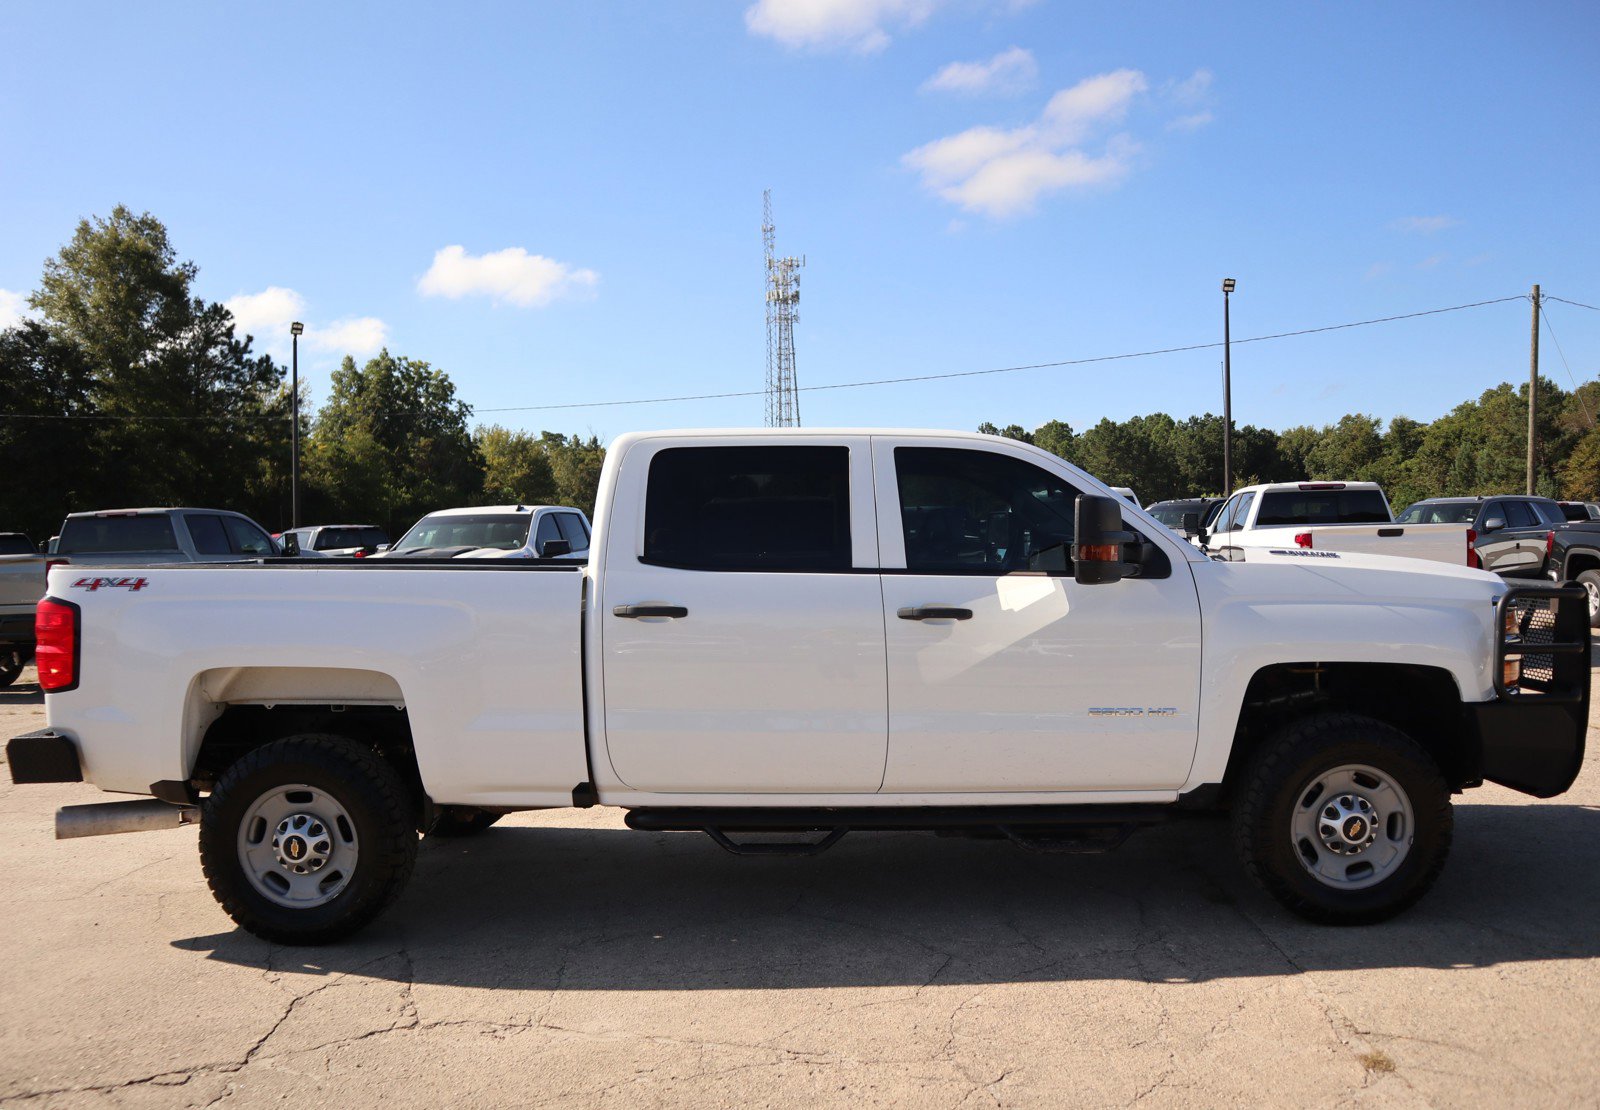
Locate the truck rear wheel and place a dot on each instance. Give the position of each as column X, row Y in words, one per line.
column 1590, row 581
column 1343, row 819
column 307, row 839
column 12, row 661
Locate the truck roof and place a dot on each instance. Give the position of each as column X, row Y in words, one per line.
column 1307, row 486
column 151, row 509
column 468, row 511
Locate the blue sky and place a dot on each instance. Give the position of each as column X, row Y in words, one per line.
column 1077, row 186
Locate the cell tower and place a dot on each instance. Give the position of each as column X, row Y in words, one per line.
column 783, row 299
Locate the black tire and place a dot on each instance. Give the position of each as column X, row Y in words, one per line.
column 12, row 663
column 456, row 821
column 1590, row 581
column 377, row 803
column 1280, row 777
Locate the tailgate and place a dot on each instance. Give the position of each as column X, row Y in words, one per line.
column 1440, row 543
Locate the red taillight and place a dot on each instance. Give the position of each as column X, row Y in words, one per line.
column 1549, row 542
column 52, row 563
column 55, row 628
column 1472, row 550
column 360, row 553
column 1303, row 539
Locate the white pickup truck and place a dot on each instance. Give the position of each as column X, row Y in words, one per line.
column 810, row 633
column 1352, row 517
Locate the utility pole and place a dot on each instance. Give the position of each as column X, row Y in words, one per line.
column 1228, row 286
column 295, row 329
column 1533, row 388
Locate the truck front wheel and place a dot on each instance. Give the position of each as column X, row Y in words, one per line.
column 307, row 839
column 1343, row 819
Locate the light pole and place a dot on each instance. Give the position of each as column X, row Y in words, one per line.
column 294, row 435
column 1228, row 285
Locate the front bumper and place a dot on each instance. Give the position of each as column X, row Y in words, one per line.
column 43, row 756
column 1532, row 736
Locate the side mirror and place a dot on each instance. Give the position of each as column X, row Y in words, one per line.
column 1494, row 524
column 552, row 549
column 1097, row 552
column 1191, row 524
column 291, row 545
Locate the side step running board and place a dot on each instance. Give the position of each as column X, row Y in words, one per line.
column 776, row 848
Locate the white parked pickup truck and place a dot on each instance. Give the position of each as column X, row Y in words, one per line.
column 1351, row 517
column 810, row 633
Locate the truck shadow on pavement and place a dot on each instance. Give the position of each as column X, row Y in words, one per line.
column 22, row 693
column 575, row 909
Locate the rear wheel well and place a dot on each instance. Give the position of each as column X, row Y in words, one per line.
column 1422, row 702
column 385, row 730
column 1580, row 561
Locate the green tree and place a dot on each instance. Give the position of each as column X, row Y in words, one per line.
column 47, row 462
column 576, row 464
column 1056, row 437
column 516, row 467
column 391, row 444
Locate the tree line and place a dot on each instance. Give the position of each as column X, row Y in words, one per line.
column 125, row 389
column 1479, row 447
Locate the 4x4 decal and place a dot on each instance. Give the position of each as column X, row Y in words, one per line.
column 93, row 584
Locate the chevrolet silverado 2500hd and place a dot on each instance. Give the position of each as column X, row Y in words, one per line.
column 810, row 632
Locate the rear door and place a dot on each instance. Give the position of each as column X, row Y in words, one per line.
column 1007, row 678
column 741, row 619
column 1517, row 549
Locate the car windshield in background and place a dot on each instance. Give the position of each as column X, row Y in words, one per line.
column 497, row 530
column 1323, row 506
column 335, row 539
column 1171, row 517
column 1449, row 512
column 87, row 534
column 16, row 544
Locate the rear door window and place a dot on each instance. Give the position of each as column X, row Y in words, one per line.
column 749, row 508
column 143, row 532
column 207, row 533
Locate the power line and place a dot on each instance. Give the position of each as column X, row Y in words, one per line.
column 874, row 381
column 1545, row 316
column 1563, row 300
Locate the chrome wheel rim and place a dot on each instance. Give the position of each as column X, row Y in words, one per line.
column 1594, row 599
column 297, row 844
column 1352, row 827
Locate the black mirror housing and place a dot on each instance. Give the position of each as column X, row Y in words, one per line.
column 1191, row 524
column 291, row 545
column 1097, row 549
column 552, row 549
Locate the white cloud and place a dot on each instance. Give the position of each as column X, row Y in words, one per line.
column 860, row 25
column 1003, row 172
column 1010, row 71
column 353, row 335
column 528, row 280
column 1192, row 122
column 1192, row 98
column 265, row 313
column 13, row 308
column 1423, row 225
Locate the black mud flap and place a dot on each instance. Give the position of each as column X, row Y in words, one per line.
column 1537, row 749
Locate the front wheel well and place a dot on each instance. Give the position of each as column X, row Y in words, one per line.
column 1422, row 702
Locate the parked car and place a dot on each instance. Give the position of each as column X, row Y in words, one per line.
column 22, row 579
column 496, row 532
column 1574, row 556
column 1127, row 494
column 148, row 537
column 335, row 540
column 1174, row 513
column 1511, row 535
column 814, row 632
column 1327, row 516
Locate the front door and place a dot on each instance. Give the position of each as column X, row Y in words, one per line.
column 1007, row 677
column 741, row 621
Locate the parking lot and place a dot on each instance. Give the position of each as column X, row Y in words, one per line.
column 563, row 959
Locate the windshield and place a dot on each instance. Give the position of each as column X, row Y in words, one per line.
column 503, row 531
column 1172, row 515
column 1446, row 512
column 332, row 539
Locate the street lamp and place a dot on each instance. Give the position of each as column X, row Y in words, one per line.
column 295, row 329
column 1228, row 285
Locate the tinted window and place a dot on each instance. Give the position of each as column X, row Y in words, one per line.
column 246, row 538
column 572, row 530
column 547, row 531
column 1519, row 514
column 1551, row 513
column 1170, row 515
column 1575, row 512
column 1225, row 517
column 965, row 511
column 15, row 543
column 507, row 532
column 150, row 532
column 1326, row 506
column 749, row 508
column 335, row 539
column 207, row 534
column 1439, row 512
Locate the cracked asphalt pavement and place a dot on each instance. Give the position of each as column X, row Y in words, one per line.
column 563, row 959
